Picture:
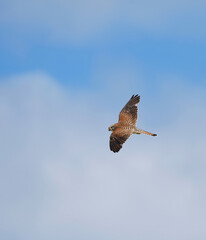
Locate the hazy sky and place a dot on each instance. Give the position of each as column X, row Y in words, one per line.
column 66, row 70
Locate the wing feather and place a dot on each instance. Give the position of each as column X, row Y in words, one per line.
column 129, row 111
column 117, row 138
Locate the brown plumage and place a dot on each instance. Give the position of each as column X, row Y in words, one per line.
column 126, row 126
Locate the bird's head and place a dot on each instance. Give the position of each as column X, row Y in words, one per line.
column 112, row 127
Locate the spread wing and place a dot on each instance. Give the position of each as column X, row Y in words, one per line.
column 129, row 111
column 118, row 137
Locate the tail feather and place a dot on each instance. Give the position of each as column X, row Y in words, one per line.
column 139, row 131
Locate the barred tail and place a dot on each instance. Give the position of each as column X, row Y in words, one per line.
column 139, row 131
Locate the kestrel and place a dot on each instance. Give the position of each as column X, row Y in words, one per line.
column 126, row 126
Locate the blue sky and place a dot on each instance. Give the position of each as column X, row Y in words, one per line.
column 67, row 69
column 155, row 55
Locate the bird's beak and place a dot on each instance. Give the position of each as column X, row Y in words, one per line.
column 108, row 128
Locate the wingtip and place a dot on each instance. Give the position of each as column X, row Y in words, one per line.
column 154, row 134
column 115, row 150
column 135, row 96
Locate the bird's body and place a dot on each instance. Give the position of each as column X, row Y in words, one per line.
column 126, row 126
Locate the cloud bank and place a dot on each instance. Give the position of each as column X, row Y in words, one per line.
column 59, row 179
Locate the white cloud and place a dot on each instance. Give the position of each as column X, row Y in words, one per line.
column 59, row 179
column 83, row 21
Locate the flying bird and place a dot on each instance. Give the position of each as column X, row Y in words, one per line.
column 126, row 126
